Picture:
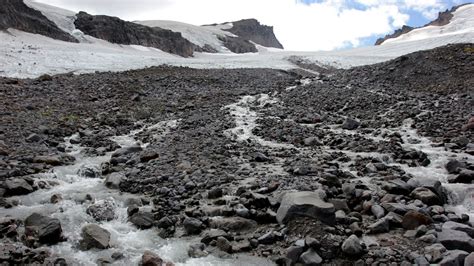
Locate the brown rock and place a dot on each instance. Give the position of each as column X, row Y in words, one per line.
column 412, row 219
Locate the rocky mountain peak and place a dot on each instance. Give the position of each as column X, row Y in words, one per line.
column 252, row 30
column 17, row 15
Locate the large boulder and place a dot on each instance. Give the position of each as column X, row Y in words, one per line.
column 305, row 204
column 427, row 196
column 352, row 246
column 47, row 230
column 192, row 226
column 142, row 220
column 413, row 219
column 466, row 176
column 453, row 239
column 94, row 236
column 102, row 210
column 454, row 258
column 17, row 186
column 113, row 180
column 459, row 227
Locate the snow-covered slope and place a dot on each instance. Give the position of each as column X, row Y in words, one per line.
column 461, row 23
column 29, row 55
column 199, row 35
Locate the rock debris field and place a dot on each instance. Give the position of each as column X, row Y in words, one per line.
column 372, row 165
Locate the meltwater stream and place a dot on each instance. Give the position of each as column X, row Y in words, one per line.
column 125, row 237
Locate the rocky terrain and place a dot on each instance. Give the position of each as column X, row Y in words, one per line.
column 115, row 30
column 15, row 14
column 251, row 29
column 367, row 166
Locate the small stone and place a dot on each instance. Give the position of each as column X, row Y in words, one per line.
column 352, row 246
column 311, row 258
column 192, row 226
column 223, row 244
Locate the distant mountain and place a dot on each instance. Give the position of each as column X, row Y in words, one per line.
column 16, row 14
column 252, row 30
column 448, row 22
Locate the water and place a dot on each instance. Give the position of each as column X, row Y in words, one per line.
column 125, row 237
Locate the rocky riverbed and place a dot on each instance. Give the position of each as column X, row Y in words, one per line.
column 369, row 166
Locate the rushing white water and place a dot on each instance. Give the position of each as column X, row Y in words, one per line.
column 125, row 237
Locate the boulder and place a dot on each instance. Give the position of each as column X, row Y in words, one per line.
column 192, row 226
column 350, row 124
column 453, row 239
column 47, row 230
column 413, row 219
column 397, row 186
column 459, row 227
column 142, row 220
column 293, row 253
column 151, row 259
column 113, row 180
column 233, row 224
column 352, row 246
column 102, row 210
column 197, row 250
column 398, row 208
column 311, row 258
column 454, row 258
column 454, row 166
column 17, row 186
column 469, row 260
column 89, row 171
column 435, row 252
column 305, row 204
column 94, row 236
column 381, row 226
column 427, row 196
column 223, row 244
column 466, row 176
column 377, row 211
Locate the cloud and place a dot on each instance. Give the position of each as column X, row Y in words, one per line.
column 299, row 24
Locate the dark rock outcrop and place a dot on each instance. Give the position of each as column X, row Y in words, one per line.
column 115, row 30
column 251, row 29
column 238, row 45
column 16, row 14
column 397, row 33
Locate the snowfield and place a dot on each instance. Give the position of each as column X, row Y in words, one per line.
column 26, row 55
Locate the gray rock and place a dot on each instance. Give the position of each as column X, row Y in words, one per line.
column 397, row 186
column 33, row 138
column 352, row 246
column 233, row 224
column 126, row 151
column 453, row 239
column 306, row 204
column 459, row 227
column 350, row 124
column 113, row 180
column 212, row 234
column 102, row 210
column 89, row 171
column 454, row 258
column 454, row 166
column 293, row 253
column 17, row 186
column 215, row 193
column 397, row 208
column 377, row 211
column 142, row 220
column 48, row 230
column 94, row 236
column 469, row 260
column 192, row 226
column 311, row 258
column 427, row 196
column 381, row 226
column 465, row 176
column 197, row 250
column 312, row 141
column 223, row 244
column 435, row 251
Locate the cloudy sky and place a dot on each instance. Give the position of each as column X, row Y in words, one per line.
column 299, row 24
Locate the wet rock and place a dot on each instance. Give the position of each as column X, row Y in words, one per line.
column 381, row 226
column 465, row 176
column 126, row 151
column 45, row 229
column 311, row 258
column 352, row 246
column 212, row 234
column 454, row 166
column 142, row 220
column 56, row 198
column 233, row 224
column 454, row 257
column 427, row 196
column 89, row 172
column 8, row 227
column 413, row 219
column 305, row 204
column 350, row 124
column 165, row 222
column 397, row 186
column 192, row 226
column 51, row 160
column 151, row 259
column 17, row 186
column 197, row 250
column 223, row 244
column 94, row 236
column 102, row 210
column 453, row 239
column 459, row 227
column 113, row 180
